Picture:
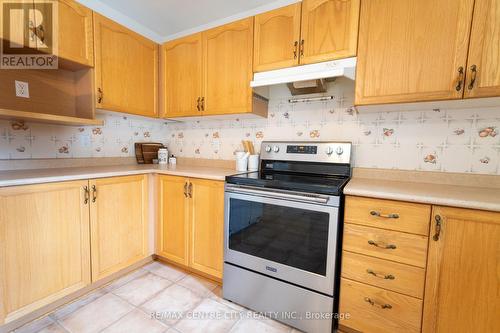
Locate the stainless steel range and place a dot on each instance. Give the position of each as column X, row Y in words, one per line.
column 282, row 226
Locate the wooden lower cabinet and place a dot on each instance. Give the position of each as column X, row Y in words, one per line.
column 172, row 233
column 119, row 223
column 44, row 245
column 384, row 261
column 383, row 293
column 462, row 289
column 207, row 226
column 190, row 226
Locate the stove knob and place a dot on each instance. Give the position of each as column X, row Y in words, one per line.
column 339, row 150
column 329, row 151
column 268, row 149
column 276, row 149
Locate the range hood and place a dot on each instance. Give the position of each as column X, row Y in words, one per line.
column 307, row 79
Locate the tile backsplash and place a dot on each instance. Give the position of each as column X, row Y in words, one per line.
column 454, row 140
column 434, row 140
column 115, row 138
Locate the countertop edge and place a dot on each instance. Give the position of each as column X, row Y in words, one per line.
column 105, row 174
column 459, row 201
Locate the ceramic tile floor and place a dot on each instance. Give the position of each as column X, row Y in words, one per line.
column 151, row 300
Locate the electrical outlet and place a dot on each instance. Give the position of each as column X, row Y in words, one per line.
column 22, row 89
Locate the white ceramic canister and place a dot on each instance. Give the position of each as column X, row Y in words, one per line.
column 253, row 163
column 241, row 160
column 162, row 156
column 172, row 160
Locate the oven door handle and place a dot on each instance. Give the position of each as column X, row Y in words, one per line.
column 315, row 198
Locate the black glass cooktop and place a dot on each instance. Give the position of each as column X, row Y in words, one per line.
column 331, row 185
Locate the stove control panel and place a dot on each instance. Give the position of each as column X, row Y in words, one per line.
column 301, row 149
column 324, row 152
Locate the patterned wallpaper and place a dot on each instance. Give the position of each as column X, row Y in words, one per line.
column 115, row 138
column 435, row 140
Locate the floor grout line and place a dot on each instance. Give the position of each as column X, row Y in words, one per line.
column 198, row 290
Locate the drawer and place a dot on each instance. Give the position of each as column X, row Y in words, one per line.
column 391, row 245
column 387, row 214
column 401, row 278
column 374, row 309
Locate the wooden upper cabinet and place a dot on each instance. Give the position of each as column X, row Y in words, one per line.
column 76, row 35
column 119, row 223
column 329, row 29
column 207, row 226
column 44, row 247
column 227, row 68
column 463, row 276
column 126, row 69
column 173, row 223
column 412, row 50
column 181, row 76
column 483, row 66
column 276, row 38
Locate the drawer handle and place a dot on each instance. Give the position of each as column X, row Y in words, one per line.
column 382, row 245
column 385, row 277
column 373, row 303
column 387, row 216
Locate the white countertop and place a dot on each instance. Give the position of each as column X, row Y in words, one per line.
column 436, row 194
column 37, row 176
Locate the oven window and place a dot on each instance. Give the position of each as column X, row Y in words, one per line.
column 290, row 236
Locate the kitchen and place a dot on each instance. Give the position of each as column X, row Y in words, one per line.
column 243, row 166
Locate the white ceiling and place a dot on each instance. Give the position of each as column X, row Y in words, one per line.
column 163, row 20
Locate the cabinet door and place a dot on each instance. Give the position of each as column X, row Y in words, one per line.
column 207, row 226
column 329, row 30
column 181, row 76
column 126, row 67
column 412, row 51
column 227, row 68
column 172, row 234
column 119, row 223
column 276, row 38
column 461, row 288
column 483, row 66
column 76, row 35
column 44, row 245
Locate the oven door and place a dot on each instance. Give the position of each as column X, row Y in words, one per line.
column 288, row 236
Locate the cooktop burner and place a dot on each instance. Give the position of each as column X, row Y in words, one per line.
column 321, row 184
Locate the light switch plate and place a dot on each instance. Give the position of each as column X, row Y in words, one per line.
column 22, row 89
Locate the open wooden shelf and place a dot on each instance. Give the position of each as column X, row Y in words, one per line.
column 57, row 96
column 47, row 118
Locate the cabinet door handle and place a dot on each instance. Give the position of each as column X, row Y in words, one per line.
column 302, row 48
column 473, row 70
column 94, row 193
column 87, row 195
column 373, row 303
column 295, row 49
column 190, row 190
column 99, row 95
column 198, row 106
column 382, row 245
column 460, row 78
column 387, row 216
column 203, row 104
column 186, row 189
column 437, row 233
column 382, row 276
